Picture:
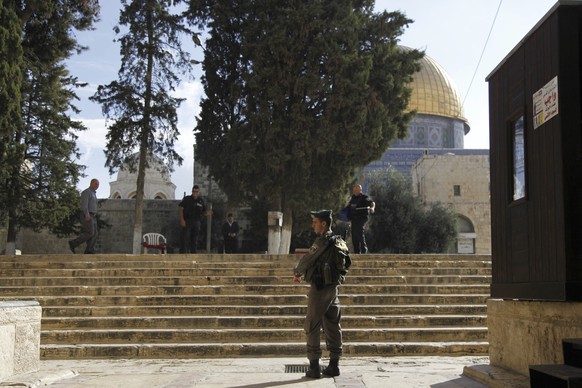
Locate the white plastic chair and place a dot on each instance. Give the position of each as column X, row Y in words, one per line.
column 154, row 241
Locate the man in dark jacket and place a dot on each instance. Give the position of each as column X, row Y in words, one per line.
column 323, row 307
column 359, row 209
column 192, row 208
column 230, row 233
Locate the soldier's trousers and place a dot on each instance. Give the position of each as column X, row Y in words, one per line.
column 323, row 310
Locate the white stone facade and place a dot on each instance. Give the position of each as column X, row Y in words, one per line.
column 157, row 183
column 462, row 183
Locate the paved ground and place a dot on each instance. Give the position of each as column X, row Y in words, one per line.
column 369, row 372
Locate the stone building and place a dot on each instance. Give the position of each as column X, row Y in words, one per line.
column 460, row 182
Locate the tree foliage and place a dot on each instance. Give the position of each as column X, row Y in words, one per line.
column 402, row 223
column 11, row 60
column 299, row 94
column 39, row 182
column 141, row 111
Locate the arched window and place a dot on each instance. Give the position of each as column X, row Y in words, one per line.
column 116, row 195
column 160, row 196
column 464, row 225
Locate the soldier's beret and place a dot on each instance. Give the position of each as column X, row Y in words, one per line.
column 321, row 214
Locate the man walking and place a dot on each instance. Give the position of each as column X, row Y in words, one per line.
column 359, row 209
column 323, row 307
column 87, row 217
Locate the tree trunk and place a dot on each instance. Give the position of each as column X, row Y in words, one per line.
column 274, row 237
column 11, row 235
column 144, row 145
column 138, row 218
column 279, row 239
column 286, row 232
column 14, row 198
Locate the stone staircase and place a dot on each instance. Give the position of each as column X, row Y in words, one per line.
column 197, row 306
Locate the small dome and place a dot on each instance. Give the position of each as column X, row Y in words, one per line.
column 157, row 183
column 434, row 92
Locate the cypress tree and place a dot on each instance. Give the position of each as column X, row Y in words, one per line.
column 40, row 170
column 141, row 111
column 299, row 95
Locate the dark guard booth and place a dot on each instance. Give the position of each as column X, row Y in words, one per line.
column 536, row 162
column 535, row 312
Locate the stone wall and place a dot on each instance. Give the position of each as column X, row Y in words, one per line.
column 435, row 177
column 19, row 337
column 159, row 216
column 523, row 333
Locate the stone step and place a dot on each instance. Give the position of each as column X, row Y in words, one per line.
column 253, row 349
column 229, row 259
column 193, row 306
column 218, row 288
column 268, row 310
column 267, row 300
column 129, row 336
column 259, row 271
column 232, row 280
column 286, row 265
column 247, row 322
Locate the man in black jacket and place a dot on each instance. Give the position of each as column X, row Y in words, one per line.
column 359, row 209
column 230, row 233
column 192, row 208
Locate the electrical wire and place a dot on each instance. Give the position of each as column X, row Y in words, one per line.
column 482, row 52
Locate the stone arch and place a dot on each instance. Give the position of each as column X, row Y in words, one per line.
column 116, row 195
column 160, row 196
column 464, row 224
column 465, row 235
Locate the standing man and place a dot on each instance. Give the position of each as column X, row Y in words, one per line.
column 230, row 233
column 359, row 209
column 192, row 208
column 323, row 307
column 87, row 217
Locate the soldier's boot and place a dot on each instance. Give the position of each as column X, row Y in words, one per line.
column 314, row 371
column 332, row 369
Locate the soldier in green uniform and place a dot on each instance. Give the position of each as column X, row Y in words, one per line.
column 323, row 307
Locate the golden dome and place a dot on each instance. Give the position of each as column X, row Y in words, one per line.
column 434, row 93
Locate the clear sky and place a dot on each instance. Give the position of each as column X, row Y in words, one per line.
column 452, row 32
